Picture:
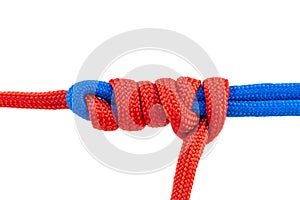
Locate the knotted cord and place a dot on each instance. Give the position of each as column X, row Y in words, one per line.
column 166, row 101
column 196, row 112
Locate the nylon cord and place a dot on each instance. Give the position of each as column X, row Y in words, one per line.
column 196, row 112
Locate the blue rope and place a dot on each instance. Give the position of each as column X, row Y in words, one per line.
column 257, row 100
column 75, row 95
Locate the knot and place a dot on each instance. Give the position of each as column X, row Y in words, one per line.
column 137, row 104
column 131, row 106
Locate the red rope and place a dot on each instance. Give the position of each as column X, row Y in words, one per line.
column 35, row 100
column 144, row 103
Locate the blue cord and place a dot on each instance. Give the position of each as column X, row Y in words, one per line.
column 75, row 95
column 257, row 100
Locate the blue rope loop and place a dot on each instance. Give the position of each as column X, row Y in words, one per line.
column 257, row 100
column 75, row 95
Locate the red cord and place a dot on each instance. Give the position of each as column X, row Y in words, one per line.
column 144, row 103
column 35, row 100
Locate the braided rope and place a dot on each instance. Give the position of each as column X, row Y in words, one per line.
column 257, row 100
column 34, row 100
column 156, row 104
column 196, row 112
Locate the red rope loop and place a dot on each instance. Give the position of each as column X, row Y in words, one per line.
column 156, row 104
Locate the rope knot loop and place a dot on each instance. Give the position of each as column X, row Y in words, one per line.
column 135, row 105
column 131, row 106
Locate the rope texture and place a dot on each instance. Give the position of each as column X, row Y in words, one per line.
column 196, row 120
column 143, row 103
column 257, row 100
column 34, row 100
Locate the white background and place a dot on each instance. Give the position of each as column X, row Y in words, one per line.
column 42, row 47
